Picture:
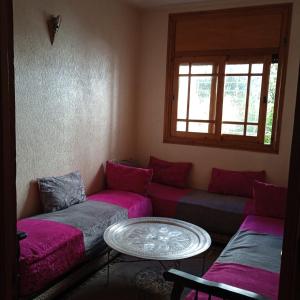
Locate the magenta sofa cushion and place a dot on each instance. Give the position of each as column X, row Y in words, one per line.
column 170, row 173
column 49, row 250
column 125, row 178
column 238, row 183
column 264, row 225
column 269, row 200
column 137, row 205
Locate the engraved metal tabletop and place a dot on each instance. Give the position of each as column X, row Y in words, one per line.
column 157, row 238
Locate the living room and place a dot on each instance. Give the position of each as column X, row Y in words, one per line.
column 98, row 93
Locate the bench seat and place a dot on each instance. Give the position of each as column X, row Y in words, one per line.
column 251, row 260
column 59, row 241
column 216, row 213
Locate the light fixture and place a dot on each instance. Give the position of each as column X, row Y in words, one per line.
column 53, row 26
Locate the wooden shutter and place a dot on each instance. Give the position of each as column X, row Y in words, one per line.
column 234, row 29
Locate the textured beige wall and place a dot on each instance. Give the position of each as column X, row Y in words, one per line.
column 75, row 99
column 151, row 94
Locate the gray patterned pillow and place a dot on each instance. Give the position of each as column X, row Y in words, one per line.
column 61, row 192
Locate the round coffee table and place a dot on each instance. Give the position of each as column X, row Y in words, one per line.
column 157, row 238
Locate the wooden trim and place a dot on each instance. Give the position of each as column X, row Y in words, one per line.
column 213, row 77
column 227, row 52
column 239, row 138
column 198, row 75
column 258, row 9
column 211, row 59
column 213, row 101
column 219, row 99
column 243, row 74
column 263, row 106
column 213, row 141
column 194, row 135
column 290, row 265
column 169, row 77
column 188, row 98
column 281, row 76
column 239, row 123
column 8, row 253
column 252, row 56
column 174, row 99
column 247, row 99
column 249, row 59
column 195, row 120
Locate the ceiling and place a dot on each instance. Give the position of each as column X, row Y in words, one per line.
column 157, row 3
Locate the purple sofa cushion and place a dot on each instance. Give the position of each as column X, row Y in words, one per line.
column 251, row 260
column 270, row 200
column 129, row 179
column 263, row 225
column 256, row 280
column 238, row 183
column 165, row 199
column 50, row 249
column 170, row 173
column 136, row 204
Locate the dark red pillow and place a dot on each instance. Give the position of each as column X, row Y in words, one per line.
column 170, row 173
column 238, row 183
column 269, row 200
column 125, row 178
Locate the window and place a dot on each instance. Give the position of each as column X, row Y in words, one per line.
column 224, row 97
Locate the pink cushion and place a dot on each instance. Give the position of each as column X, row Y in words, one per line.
column 137, row 205
column 270, row 200
column 50, row 250
column 260, row 224
column 165, row 199
column 234, row 182
column 170, row 173
column 125, row 178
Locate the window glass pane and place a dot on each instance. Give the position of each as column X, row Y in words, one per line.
column 182, row 97
column 251, row 130
column 184, row 69
column 234, row 101
column 236, row 68
column 270, row 104
column 200, row 97
column 233, row 129
column 198, row 127
column 181, row 126
column 257, row 68
column 254, row 98
column 201, row 69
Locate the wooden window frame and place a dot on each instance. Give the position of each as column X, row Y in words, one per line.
column 208, row 60
column 222, row 56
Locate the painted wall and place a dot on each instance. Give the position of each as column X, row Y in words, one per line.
column 75, row 99
column 151, row 98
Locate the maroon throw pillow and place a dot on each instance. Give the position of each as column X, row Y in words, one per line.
column 269, row 200
column 238, row 183
column 125, row 178
column 170, row 173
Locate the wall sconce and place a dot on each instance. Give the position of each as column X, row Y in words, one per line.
column 53, row 26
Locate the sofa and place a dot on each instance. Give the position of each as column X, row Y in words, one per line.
column 220, row 209
column 219, row 214
column 249, row 265
column 61, row 241
column 70, row 234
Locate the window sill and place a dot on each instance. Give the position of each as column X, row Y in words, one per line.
column 227, row 144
